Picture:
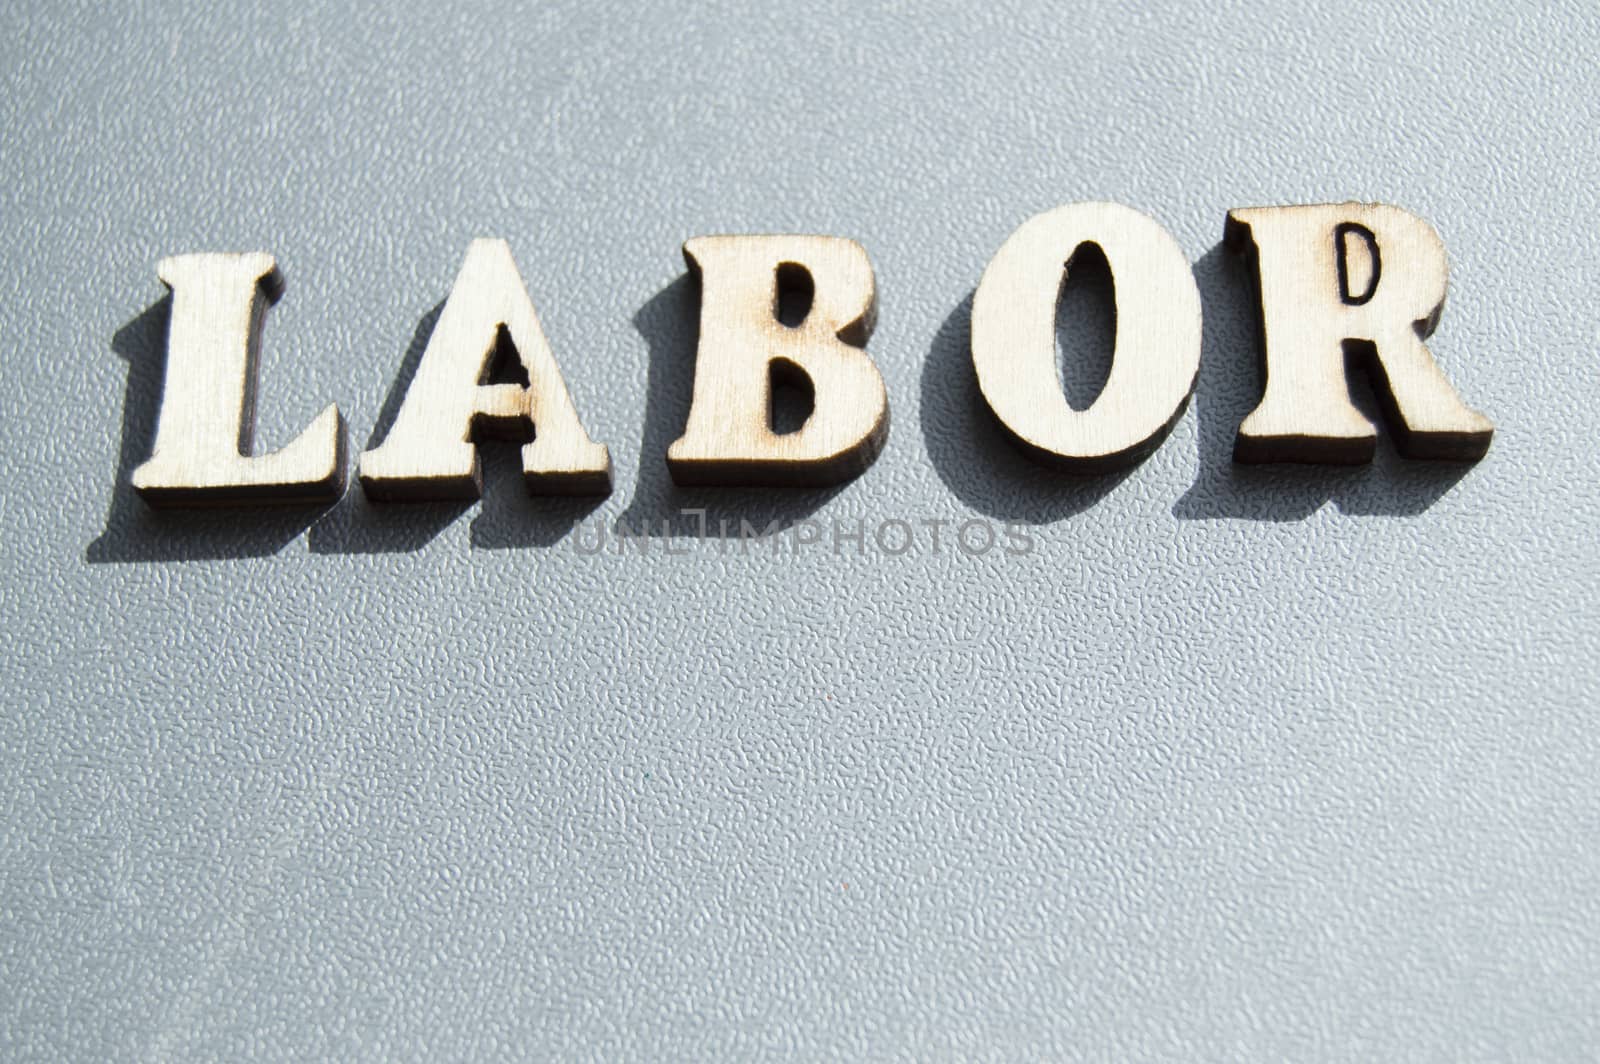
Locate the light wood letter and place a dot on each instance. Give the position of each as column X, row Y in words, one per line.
column 1363, row 282
column 431, row 453
column 729, row 438
column 208, row 406
column 1157, row 347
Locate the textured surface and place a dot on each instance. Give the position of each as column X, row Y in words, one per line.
column 1236, row 764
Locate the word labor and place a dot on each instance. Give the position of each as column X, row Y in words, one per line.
column 1339, row 285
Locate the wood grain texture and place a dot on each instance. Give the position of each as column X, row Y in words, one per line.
column 729, row 437
column 1341, row 286
column 431, row 450
column 1157, row 348
column 207, row 421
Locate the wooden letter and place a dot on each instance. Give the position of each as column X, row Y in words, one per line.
column 1157, row 347
column 430, row 452
column 729, row 438
column 208, row 405
column 1363, row 281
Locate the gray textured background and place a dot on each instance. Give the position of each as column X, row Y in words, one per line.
column 1238, row 764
